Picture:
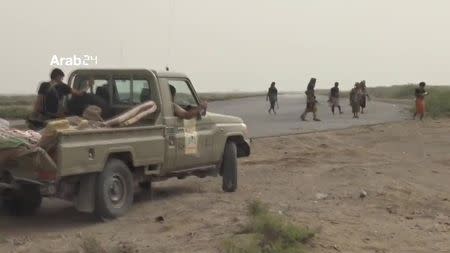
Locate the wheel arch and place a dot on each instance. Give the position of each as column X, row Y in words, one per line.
column 125, row 154
column 243, row 148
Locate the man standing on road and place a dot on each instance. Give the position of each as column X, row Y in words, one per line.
column 334, row 98
column 364, row 95
column 355, row 100
column 272, row 97
column 311, row 102
column 420, row 100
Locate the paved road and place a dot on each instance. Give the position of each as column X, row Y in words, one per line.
column 287, row 121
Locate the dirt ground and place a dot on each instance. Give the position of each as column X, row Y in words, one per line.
column 315, row 180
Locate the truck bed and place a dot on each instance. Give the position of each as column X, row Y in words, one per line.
column 86, row 151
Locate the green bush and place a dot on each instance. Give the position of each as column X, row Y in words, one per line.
column 24, row 100
column 15, row 112
column 256, row 207
column 268, row 233
column 438, row 104
column 393, row 92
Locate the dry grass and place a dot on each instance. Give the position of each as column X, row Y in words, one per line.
column 15, row 112
column 92, row 245
column 267, row 232
column 24, row 100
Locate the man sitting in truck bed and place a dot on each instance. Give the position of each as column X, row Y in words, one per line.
column 181, row 113
column 79, row 102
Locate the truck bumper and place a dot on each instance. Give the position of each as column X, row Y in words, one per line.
column 33, row 167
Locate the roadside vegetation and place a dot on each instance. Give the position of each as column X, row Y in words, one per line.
column 15, row 111
column 16, row 106
column 23, row 100
column 437, row 103
column 266, row 232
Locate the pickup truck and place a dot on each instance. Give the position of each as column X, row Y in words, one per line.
column 99, row 170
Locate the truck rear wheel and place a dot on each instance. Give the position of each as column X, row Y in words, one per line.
column 25, row 200
column 114, row 193
column 229, row 167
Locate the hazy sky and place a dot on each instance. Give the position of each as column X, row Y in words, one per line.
column 232, row 44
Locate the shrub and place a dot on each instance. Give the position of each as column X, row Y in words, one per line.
column 438, row 104
column 267, row 233
column 14, row 112
column 92, row 245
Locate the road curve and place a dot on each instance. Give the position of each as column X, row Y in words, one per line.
column 287, row 121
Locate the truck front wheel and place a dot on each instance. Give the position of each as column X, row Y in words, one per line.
column 114, row 193
column 229, row 167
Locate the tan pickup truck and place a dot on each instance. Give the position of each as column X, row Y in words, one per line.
column 100, row 169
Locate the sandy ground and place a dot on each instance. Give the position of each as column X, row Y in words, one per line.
column 315, row 180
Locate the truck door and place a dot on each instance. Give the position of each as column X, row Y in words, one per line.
column 193, row 137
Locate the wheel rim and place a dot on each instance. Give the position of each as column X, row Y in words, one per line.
column 117, row 191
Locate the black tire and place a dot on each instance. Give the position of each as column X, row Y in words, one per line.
column 114, row 190
column 24, row 201
column 229, row 167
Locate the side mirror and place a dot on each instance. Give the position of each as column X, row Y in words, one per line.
column 203, row 112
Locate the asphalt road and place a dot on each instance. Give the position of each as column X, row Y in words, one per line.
column 287, row 121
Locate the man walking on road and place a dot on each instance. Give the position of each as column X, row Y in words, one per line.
column 364, row 96
column 355, row 100
column 311, row 102
column 272, row 97
column 334, row 98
